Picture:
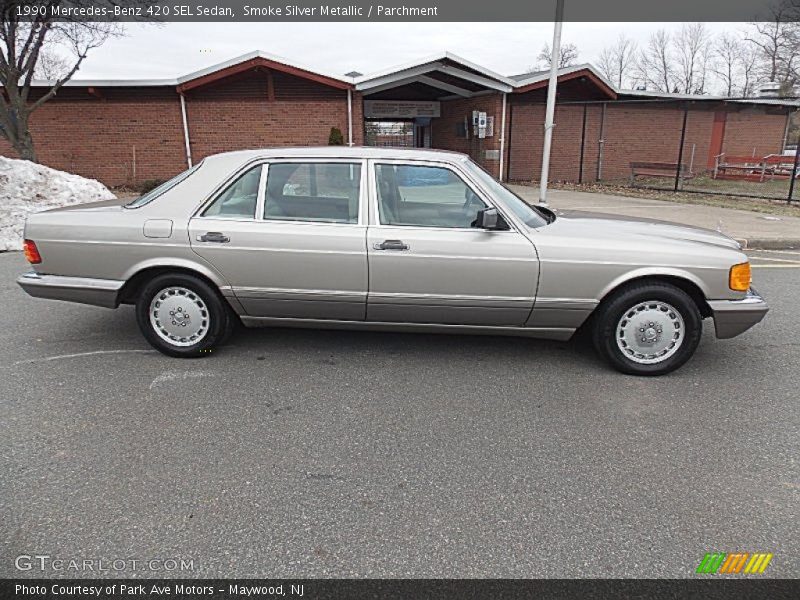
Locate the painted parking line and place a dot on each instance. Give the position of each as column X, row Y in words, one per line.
column 770, row 258
column 781, row 266
column 795, row 252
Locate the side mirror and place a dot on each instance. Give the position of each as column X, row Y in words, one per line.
column 490, row 219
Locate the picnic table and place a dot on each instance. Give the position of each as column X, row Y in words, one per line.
column 753, row 168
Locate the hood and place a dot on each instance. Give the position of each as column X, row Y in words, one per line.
column 102, row 205
column 600, row 225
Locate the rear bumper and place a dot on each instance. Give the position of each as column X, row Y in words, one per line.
column 98, row 292
column 732, row 317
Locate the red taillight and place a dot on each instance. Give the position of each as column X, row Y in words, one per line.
column 31, row 252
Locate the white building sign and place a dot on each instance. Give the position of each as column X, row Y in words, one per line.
column 400, row 109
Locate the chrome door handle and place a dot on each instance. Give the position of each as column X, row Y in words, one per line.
column 391, row 245
column 214, row 236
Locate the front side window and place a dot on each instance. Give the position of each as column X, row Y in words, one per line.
column 530, row 215
column 313, row 191
column 422, row 196
column 239, row 198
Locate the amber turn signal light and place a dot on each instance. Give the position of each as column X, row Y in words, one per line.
column 31, row 252
column 739, row 278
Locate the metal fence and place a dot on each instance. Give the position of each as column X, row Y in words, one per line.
column 732, row 148
column 749, row 162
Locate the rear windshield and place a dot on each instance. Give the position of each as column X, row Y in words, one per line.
column 164, row 187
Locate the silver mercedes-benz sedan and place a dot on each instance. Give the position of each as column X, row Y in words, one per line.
column 406, row 240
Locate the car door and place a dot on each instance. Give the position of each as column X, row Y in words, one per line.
column 290, row 238
column 428, row 264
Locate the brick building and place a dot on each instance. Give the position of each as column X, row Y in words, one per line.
column 123, row 132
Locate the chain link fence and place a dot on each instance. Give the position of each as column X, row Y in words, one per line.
column 732, row 148
column 739, row 154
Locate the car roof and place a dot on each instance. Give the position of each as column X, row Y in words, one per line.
column 360, row 152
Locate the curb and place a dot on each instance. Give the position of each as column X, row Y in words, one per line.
column 769, row 243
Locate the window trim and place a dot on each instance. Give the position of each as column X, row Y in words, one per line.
column 228, row 183
column 374, row 220
column 362, row 189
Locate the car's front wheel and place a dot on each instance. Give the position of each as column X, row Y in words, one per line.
column 182, row 316
column 647, row 328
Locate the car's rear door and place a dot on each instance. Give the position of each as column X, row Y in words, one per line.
column 290, row 238
column 428, row 264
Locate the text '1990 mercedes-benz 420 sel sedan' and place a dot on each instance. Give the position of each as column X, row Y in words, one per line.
column 407, row 240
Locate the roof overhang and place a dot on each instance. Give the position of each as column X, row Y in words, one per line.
column 645, row 95
column 541, row 80
column 424, row 71
column 251, row 61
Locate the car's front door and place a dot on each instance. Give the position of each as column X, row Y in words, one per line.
column 429, row 264
column 290, row 238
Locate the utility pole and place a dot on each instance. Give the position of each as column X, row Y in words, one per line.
column 550, row 112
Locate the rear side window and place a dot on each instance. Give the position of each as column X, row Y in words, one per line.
column 239, row 198
column 313, row 191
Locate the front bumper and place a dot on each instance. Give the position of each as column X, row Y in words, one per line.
column 98, row 292
column 732, row 317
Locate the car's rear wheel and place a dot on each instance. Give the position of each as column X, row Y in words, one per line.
column 647, row 328
column 183, row 316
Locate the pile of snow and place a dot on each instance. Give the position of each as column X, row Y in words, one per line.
column 26, row 188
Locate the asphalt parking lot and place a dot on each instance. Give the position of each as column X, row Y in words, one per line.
column 296, row 453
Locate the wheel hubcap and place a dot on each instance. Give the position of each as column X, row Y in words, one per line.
column 650, row 332
column 179, row 316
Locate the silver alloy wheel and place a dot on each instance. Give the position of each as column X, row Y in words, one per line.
column 650, row 332
column 179, row 316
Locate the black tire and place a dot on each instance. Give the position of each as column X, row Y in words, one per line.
column 214, row 316
column 611, row 311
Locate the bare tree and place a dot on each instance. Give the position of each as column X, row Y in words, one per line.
column 748, row 62
column 727, row 50
column 51, row 66
column 655, row 66
column 691, row 52
column 566, row 58
column 778, row 43
column 23, row 44
column 617, row 61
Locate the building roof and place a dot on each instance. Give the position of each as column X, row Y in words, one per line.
column 217, row 71
column 708, row 98
column 526, row 82
column 443, row 62
column 448, row 73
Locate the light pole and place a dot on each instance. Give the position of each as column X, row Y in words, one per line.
column 550, row 111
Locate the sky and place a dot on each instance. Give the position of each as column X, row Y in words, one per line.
column 173, row 49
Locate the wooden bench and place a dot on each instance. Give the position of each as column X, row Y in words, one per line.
column 657, row 169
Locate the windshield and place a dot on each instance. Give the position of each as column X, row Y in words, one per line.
column 528, row 214
column 157, row 191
